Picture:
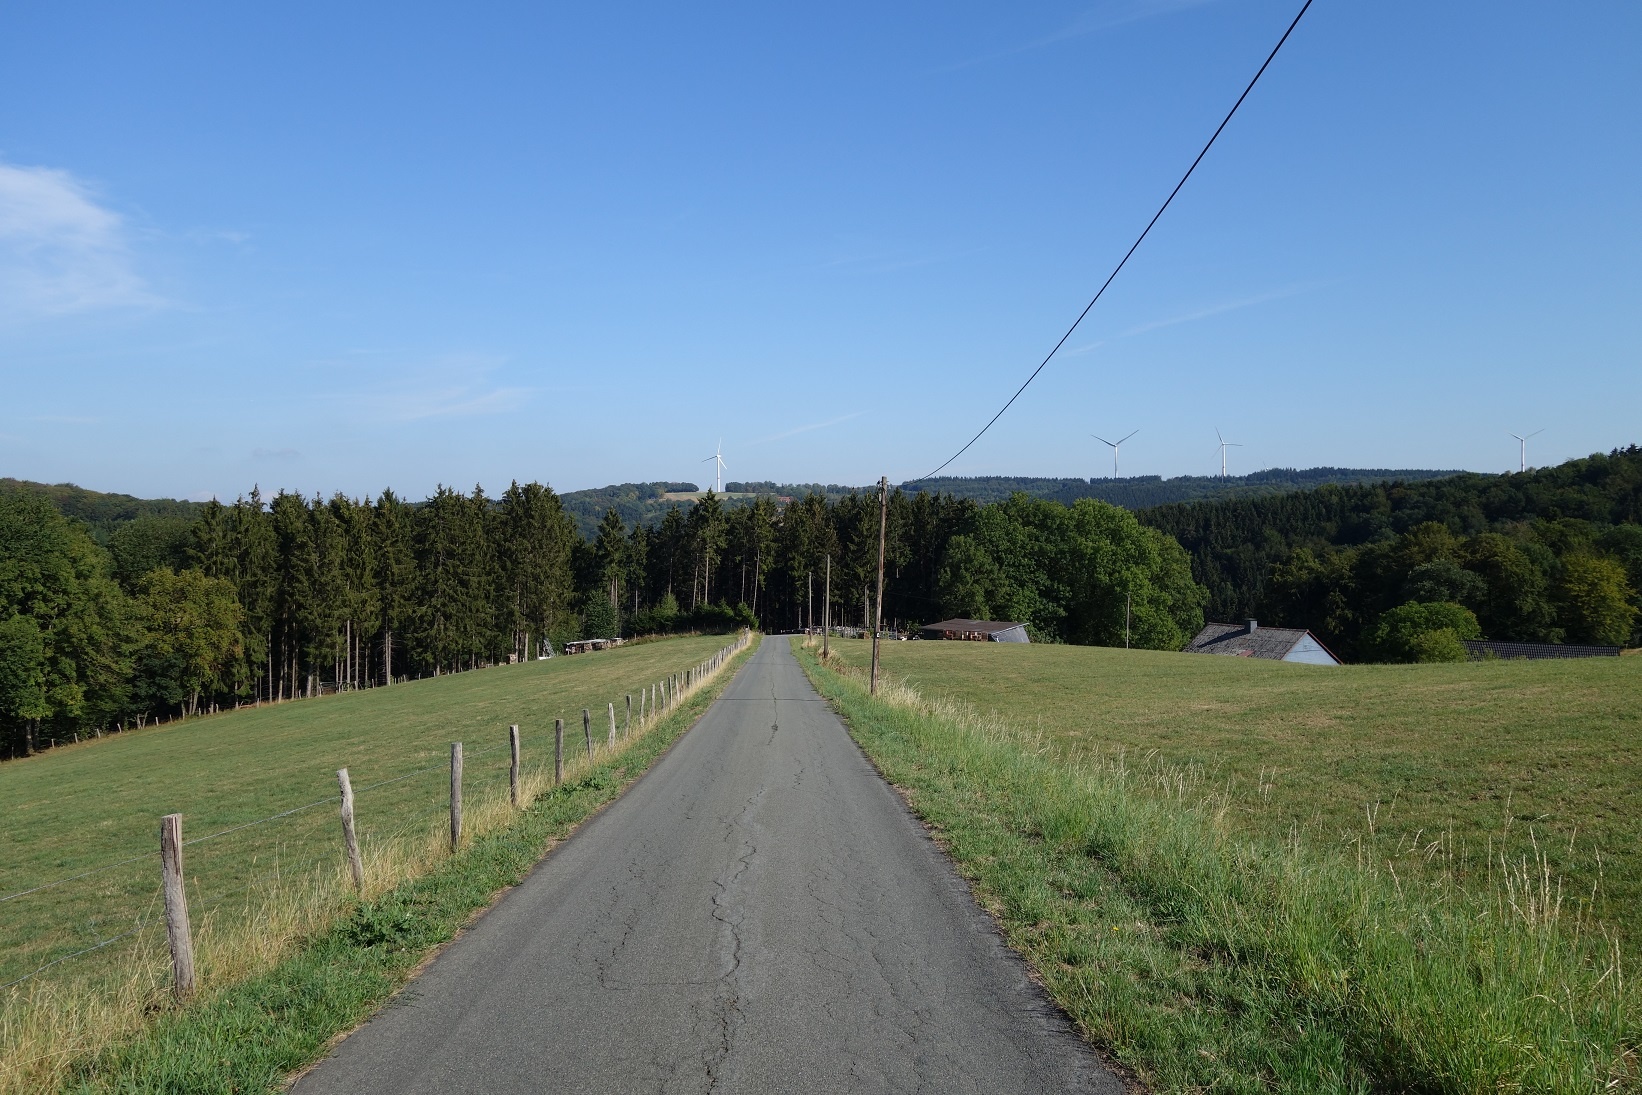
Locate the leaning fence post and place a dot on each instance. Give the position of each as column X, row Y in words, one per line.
column 558, row 751
column 455, row 794
column 350, row 840
column 610, row 742
column 176, row 905
column 627, row 724
column 513, row 766
column 587, row 731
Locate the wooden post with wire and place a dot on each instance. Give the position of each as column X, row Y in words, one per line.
column 513, row 764
column 878, row 610
column 610, row 742
column 455, row 795
column 176, row 906
column 826, row 611
column 558, row 752
column 350, row 840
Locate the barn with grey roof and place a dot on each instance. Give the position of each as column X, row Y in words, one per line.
column 1250, row 640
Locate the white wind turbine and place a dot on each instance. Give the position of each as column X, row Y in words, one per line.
column 1224, row 445
column 1114, row 445
column 1524, row 441
column 718, row 457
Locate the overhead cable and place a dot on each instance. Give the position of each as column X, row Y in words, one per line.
column 1133, row 247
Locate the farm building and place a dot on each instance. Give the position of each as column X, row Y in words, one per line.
column 1250, row 640
column 977, row 631
column 1483, row 649
column 587, row 646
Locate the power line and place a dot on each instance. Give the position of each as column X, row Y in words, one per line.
column 1135, row 246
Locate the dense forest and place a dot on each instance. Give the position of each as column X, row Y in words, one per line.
column 268, row 600
column 1144, row 491
column 114, row 610
column 647, row 502
column 1549, row 555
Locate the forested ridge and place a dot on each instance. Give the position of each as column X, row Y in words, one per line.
column 276, row 599
column 1549, row 555
column 132, row 610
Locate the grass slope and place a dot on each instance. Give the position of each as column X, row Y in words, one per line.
column 1446, row 765
column 251, row 1035
column 1211, row 959
column 79, row 807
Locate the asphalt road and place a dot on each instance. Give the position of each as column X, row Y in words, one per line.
column 760, row 914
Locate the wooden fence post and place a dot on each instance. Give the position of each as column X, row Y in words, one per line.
column 587, row 731
column 350, row 841
column 627, row 723
column 513, row 766
column 558, row 752
column 176, row 906
column 610, row 742
column 455, row 795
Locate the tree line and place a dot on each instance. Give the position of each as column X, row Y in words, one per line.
column 1551, row 555
column 275, row 599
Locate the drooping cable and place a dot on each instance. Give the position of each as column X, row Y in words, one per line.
column 1133, row 247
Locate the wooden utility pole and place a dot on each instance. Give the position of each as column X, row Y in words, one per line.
column 826, row 610
column 878, row 608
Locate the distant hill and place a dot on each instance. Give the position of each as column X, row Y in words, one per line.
column 647, row 502
column 102, row 512
column 1145, row 491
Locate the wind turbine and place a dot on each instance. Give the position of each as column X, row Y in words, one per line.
column 718, row 456
column 1224, row 445
column 1524, row 441
column 1114, row 445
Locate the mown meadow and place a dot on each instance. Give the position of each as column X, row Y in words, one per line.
column 1446, row 766
column 1240, row 876
column 257, row 888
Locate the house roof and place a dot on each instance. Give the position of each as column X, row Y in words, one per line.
column 988, row 627
column 1237, row 640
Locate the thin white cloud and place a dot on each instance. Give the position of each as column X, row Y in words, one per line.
column 61, row 253
column 1217, row 310
column 806, row 429
column 454, row 386
column 1104, row 17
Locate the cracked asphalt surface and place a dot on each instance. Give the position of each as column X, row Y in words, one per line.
column 759, row 913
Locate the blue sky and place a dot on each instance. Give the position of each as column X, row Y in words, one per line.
column 342, row 247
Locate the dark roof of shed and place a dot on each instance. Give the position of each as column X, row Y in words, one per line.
column 1237, row 640
column 1482, row 648
column 987, row 626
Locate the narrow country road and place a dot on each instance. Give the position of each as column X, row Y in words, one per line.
column 759, row 914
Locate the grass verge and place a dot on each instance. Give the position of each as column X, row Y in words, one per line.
column 339, row 957
column 1207, row 959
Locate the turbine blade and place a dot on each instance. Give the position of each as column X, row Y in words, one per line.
column 1131, row 434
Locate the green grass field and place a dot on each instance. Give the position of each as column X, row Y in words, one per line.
column 78, row 808
column 1448, row 763
column 1172, row 842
